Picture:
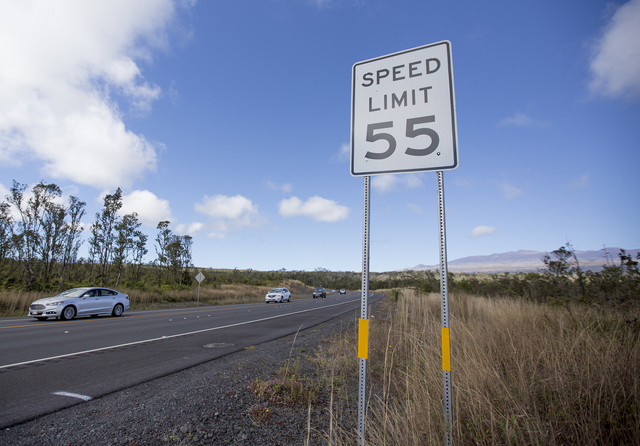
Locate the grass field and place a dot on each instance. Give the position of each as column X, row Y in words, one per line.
column 522, row 374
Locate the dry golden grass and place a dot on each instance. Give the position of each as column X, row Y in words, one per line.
column 16, row 303
column 522, row 374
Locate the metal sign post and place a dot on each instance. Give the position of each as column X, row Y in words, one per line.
column 403, row 120
column 363, row 323
column 199, row 278
column 444, row 315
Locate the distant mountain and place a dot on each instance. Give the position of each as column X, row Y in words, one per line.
column 524, row 261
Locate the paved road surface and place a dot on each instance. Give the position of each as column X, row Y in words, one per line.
column 46, row 366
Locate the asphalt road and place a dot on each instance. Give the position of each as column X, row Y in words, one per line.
column 47, row 366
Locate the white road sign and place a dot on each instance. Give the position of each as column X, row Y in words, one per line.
column 403, row 115
column 200, row 277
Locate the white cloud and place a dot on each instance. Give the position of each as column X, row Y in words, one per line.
column 316, row 208
column 63, row 67
column 151, row 210
column 415, row 208
column 479, row 231
column 286, row 187
column 387, row 183
column 509, row 190
column 221, row 206
column 522, row 120
column 189, row 229
column 228, row 214
column 342, row 155
column 384, row 183
column 579, row 183
column 615, row 63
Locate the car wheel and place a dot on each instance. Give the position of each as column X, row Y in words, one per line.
column 68, row 313
column 42, row 318
column 117, row 310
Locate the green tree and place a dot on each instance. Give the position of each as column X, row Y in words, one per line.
column 104, row 233
column 139, row 251
column 126, row 230
column 52, row 247
column 179, row 256
column 72, row 233
column 629, row 266
column 6, row 229
column 562, row 264
column 27, row 238
column 174, row 256
column 163, row 240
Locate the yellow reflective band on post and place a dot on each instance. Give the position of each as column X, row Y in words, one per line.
column 363, row 339
column 446, row 352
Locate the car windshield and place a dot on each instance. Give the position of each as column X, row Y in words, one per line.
column 276, row 290
column 318, row 289
column 74, row 292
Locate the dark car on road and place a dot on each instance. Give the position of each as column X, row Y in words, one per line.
column 319, row 293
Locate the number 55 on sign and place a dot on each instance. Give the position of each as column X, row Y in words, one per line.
column 403, row 113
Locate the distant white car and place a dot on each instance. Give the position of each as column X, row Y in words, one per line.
column 343, row 291
column 278, row 295
column 87, row 301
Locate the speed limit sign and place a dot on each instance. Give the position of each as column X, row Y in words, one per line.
column 403, row 116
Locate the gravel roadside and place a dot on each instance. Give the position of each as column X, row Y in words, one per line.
column 207, row 404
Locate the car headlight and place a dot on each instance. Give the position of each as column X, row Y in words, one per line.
column 54, row 304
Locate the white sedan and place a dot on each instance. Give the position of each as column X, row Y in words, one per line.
column 278, row 295
column 87, row 301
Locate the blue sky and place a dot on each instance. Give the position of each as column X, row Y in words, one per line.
column 231, row 119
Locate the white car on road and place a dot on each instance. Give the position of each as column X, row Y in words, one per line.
column 87, row 301
column 278, row 295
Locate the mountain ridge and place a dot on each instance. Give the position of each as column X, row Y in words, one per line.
column 525, row 260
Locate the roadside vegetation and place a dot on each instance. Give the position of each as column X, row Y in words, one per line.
column 170, row 278
column 523, row 373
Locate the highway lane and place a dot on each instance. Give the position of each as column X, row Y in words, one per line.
column 46, row 366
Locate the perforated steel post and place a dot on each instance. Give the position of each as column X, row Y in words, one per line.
column 363, row 325
column 444, row 315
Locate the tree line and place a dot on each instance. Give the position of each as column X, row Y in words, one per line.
column 40, row 238
column 41, row 235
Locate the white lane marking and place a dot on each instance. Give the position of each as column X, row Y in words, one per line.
column 33, row 361
column 73, row 395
